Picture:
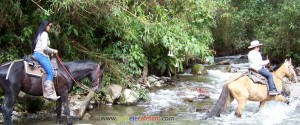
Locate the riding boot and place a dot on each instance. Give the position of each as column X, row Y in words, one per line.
column 49, row 91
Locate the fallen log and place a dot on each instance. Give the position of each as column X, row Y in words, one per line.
column 85, row 103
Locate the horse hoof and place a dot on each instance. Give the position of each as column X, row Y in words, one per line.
column 287, row 102
column 238, row 115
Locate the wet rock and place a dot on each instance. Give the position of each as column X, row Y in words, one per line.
column 92, row 102
column 209, row 60
column 168, row 109
column 129, row 97
column 172, row 84
column 199, row 69
column 298, row 71
column 113, row 92
column 205, row 108
column 224, row 62
column 232, row 69
column 188, row 99
column 87, row 116
column 151, row 79
column 158, row 83
column 202, row 97
column 166, row 79
column 90, row 107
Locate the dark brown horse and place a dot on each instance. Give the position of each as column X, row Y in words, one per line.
column 18, row 80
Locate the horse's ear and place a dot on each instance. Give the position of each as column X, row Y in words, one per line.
column 290, row 60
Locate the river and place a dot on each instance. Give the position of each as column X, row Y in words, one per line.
column 179, row 105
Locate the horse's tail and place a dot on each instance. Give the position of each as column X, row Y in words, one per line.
column 223, row 102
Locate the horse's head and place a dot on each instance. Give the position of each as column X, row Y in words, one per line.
column 100, row 73
column 290, row 72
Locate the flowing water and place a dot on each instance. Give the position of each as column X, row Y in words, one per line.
column 180, row 104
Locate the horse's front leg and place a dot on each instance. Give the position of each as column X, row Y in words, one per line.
column 281, row 98
column 261, row 104
column 58, row 111
column 65, row 102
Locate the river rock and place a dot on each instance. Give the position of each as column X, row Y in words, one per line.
column 87, row 116
column 209, row 60
column 232, row 69
column 224, row 62
column 298, row 71
column 199, row 69
column 151, row 79
column 205, row 108
column 90, row 107
column 113, row 92
column 129, row 97
column 158, row 83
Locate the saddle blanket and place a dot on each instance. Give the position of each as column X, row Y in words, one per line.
column 39, row 71
column 257, row 78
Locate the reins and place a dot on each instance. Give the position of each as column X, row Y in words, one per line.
column 82, row 86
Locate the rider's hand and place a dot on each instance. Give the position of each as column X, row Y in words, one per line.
column 55, row 51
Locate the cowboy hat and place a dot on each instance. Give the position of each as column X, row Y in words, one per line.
column 255, row 43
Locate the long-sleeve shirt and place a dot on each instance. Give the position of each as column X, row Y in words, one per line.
column 255, row 60
column 43, row 43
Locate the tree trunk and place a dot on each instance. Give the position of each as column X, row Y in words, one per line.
column 145, row 74
column 85, row 103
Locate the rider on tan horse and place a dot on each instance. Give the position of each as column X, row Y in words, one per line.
column 242, row 88
column 257, row 64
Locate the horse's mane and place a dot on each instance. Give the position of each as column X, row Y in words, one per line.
column 276, row 67
column 80, row 62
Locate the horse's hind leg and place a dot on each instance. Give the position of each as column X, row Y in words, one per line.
column 240, row 108
column 58, row 111
column 7, row 107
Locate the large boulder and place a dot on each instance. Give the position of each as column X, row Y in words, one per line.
column 199, row 69
column 113, row 92
column 129, row 97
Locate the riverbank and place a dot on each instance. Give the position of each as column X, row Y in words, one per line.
column 181, row 101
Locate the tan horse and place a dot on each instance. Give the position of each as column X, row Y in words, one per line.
column 243, row 89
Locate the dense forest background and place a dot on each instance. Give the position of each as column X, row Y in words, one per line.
column 135, row 38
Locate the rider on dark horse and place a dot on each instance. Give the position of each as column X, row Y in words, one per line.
column 41, row 54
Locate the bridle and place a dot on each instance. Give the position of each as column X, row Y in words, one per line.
column 291, row 71
column 79, row 84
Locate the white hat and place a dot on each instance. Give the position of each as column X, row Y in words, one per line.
column 255, row 43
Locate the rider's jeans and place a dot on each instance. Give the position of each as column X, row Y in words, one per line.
column 46, row 64
column 269, row 76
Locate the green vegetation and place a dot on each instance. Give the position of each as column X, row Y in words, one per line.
column 133, row 35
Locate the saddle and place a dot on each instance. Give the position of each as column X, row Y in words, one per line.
column 256, row 77
column 33, row 68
